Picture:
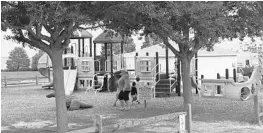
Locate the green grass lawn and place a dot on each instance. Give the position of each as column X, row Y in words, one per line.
column 21, row 77
column 27, row 110
column 20, row 74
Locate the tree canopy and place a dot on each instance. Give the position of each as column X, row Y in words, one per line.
column 17, row 60
column 151, row 39
column 192, row 25
column 30, row 20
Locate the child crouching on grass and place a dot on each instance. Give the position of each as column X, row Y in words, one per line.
column 134, row 93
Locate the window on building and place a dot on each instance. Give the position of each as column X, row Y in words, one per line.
column 247, row 62
column 145, row 65
column 85, row 66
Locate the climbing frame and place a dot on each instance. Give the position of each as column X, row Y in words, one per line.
column 227, row 88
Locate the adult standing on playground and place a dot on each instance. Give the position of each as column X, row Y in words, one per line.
column 124, row 86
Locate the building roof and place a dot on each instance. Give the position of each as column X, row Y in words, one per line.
column 203, row 52
column 105, row 37
column 153, row 49
column 218, row 51
column 81, row 34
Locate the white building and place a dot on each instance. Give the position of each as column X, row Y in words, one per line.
column 244, row 57
column 209, row 63
column 217, row 61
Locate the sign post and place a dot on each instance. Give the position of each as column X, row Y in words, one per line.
column 182, row 122
column 145, row 93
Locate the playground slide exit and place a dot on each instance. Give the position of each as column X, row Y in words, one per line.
column 69, row 80
column 70, row 76
column 44, row 72
column 44, row 64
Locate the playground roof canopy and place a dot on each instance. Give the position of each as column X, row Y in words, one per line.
column 106, row 37
column 81, row 34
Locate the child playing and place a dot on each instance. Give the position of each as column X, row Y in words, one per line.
column 134, row 93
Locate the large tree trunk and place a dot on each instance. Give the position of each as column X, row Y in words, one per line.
column 58, row 75
column 187, row 91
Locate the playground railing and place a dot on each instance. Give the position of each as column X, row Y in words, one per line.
column 92, row 87
column 155, row 75
column 258, row 112
column 171, row 84
column 23, row 81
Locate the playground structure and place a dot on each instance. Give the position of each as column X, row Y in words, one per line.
column 80, row 65
column 148, row 69
column 95, row 75
column 91, row 74
column 73, row 61
column 227, row 88
column 164, row 77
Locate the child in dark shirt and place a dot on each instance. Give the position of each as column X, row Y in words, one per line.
column 134, row 93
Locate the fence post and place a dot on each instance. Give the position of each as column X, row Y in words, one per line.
column 189, row 113
column 182, row 123
column 98, row 124
column 5, row 81
column 256, row 109
column 36, row 80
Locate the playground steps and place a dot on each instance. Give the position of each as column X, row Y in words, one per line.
column 162, row 88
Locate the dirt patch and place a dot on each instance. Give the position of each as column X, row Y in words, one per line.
column 3, row 128
column 33, row 125
column 38, row 124
column 70, row 125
